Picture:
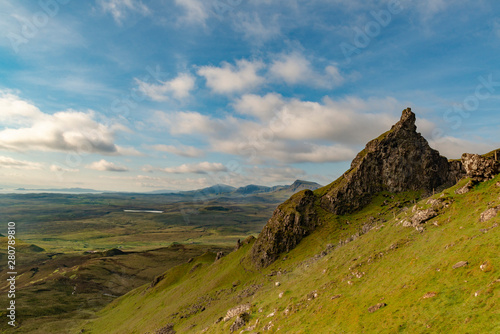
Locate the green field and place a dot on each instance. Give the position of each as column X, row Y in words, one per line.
column 66, row 271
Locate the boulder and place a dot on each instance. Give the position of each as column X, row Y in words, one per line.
column 489, row 214
column 377, row 307
column 480, row 168
column 460, row 264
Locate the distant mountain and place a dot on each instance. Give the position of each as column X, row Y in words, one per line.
column 218, row 189
column 252, row 189
column 300, row 185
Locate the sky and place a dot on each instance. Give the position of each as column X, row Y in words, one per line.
column 124, row 95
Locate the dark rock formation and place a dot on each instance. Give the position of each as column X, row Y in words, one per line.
column 291, row 222
column 397, row 161
column 219, row 256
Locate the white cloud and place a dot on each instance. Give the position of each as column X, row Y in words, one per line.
column 453, row 148
column 106, row 166
column 8, row 162
column 194, row 123
column 295, row 68
column 179, row 87
column 230, row 79
column 181, row 150
column 198, row 168
column 27, row 128
column 262, row 107
column 196, row 11
column 120, row 9
column 290, row 130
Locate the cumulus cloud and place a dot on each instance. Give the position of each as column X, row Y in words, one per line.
column 119, row 9
column 291, row 130
column 8, row 162
column 295, row 68
column 229, row 78
column 179, row 88
column 262, row 107
column 27, row 128
column 106, row 166
column 453, row 148
column 181, row 150
column 194, row 123
column 198, row 168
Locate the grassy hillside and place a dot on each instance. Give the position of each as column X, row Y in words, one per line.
column 56, row 291
column 360, row 273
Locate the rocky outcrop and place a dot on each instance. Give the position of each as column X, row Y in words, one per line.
column 480, row 168
column 399, row 160
column 489, row 214
column 291, row 222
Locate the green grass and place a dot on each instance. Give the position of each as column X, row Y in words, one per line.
column 389, row 264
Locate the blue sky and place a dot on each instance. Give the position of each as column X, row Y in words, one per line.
column 181, row 94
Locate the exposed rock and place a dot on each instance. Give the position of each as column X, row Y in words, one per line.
column 421, row 216
column 219, row 256
column 168, row 329
column 399, row 160
column 290, row 223
column 236, row 311
column 489, row 214
column 241, row 320
column 377, row 307
column 156, row 280
column 480, row 168
column 468, row 187
column 336, row 297
column 430, row 295
column 460, row 264
column 312, row 295
column 238, row 245
column 268, row 326
column 486, row 266
column 249, row 240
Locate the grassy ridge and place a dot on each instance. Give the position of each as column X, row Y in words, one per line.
column 331, row 280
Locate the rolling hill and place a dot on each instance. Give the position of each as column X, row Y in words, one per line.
column 394, row 245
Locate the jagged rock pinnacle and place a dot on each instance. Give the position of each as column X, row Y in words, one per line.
column 398, row 160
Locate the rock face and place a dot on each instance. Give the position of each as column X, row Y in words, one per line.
column 479, row 168
column 399, row 160
column 291, row 222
